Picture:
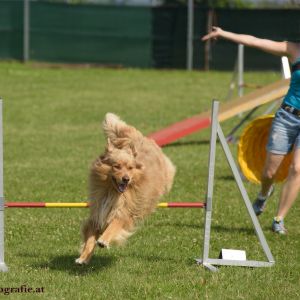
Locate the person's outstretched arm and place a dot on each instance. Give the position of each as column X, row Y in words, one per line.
column 291, row 50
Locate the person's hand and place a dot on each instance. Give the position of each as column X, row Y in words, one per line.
column 214, row 34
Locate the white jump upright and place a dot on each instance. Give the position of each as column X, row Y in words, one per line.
column 209, row 263
column 286, row 71
column 3, row 267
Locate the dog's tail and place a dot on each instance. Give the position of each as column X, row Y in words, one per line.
column 116, row 129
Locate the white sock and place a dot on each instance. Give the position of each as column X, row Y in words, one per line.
column 262, row 197
column 278, row 218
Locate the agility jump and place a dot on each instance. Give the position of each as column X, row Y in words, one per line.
column 86, row 204
column 228, row 110
column 205, row 260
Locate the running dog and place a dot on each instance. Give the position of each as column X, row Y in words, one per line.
column 125, row 184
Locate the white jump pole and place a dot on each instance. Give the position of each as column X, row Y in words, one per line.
column 240, row 70
column 209, row 263
column 26, row 30
column 3, row 267
column 286, row 71
column 190, row 35
column 286, row 74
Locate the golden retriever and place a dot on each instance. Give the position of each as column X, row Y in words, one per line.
column 126, row 183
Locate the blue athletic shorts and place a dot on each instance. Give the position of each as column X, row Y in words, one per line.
column 285, row 133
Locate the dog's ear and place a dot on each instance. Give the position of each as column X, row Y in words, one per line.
column 121, row 142
column 100, row 168
column 139, row 165
column 109, row 146
column 133, row 149
column 104, row 159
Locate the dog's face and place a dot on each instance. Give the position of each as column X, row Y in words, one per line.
column 124, row 170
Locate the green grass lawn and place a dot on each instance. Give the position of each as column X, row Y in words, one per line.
column 52, row 133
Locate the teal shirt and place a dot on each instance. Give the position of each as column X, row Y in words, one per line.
column 292, row 97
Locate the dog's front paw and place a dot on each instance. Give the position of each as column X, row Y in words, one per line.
column 102, row 244
column 80, row 261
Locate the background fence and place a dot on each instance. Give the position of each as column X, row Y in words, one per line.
column 137, row 36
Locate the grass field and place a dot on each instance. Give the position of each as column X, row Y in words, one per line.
column 52, row 133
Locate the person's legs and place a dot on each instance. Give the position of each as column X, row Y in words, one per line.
column 273, row 162
column 291, row 187
column 289, row 191
column 282, row 138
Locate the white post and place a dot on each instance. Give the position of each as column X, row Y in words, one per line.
column 240, row 70
column 286, row 74
column 3, row 267
column 286, row 71
column 190, row 35
column 26, row 30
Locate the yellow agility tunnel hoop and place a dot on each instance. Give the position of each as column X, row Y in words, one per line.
column 252, row 150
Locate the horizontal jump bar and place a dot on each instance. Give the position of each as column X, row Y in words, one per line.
column 86, row 204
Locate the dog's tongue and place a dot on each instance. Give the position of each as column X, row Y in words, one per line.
column 122, row 187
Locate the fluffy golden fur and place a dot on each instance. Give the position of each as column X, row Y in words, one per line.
column 126, row 183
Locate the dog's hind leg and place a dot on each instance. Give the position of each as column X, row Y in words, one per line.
column 117, row 231
column 91, row 235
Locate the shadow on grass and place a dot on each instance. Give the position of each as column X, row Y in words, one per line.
column 180, row 225
column 226, row 178
column 214, row 228
column 222, row 228
column 188, row 143
column 67, row 263
column 149, row 257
